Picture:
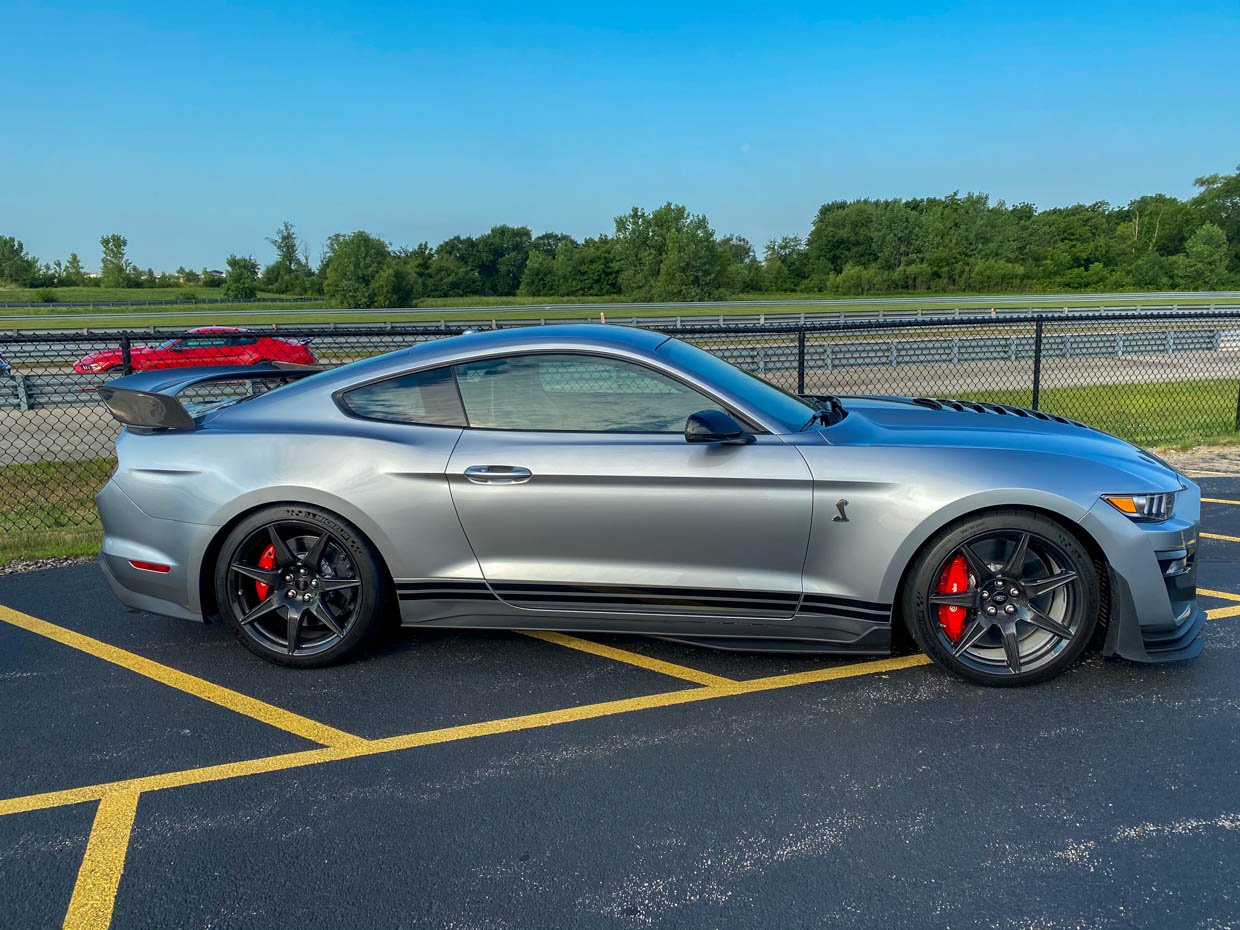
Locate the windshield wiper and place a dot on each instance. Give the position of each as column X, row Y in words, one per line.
column 830, row 411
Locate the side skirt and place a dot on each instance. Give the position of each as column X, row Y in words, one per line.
column 728, row 620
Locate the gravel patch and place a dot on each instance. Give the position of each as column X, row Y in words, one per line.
column 19, row 566
column 1205, row 461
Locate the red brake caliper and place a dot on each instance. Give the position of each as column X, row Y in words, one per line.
column 954, row 580
column 266, row 560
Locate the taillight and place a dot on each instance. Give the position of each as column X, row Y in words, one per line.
column 151, row 566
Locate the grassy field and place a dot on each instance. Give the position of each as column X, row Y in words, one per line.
column 1178, row 414
column 48, row 508
column 455, row 310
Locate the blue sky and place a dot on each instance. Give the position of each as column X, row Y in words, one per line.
column 195, row 129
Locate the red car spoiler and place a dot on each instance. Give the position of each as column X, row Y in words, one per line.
column 148, row 400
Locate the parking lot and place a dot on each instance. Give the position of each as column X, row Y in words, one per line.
column 157, row 775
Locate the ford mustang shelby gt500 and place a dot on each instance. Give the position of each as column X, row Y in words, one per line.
column 605, row 479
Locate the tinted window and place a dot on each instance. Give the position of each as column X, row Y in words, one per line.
column 580, row 393
column 420, row 397
column 774, row 401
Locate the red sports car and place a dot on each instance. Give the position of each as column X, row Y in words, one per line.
column 207, row 345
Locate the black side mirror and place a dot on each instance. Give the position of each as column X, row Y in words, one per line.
column 715, row 426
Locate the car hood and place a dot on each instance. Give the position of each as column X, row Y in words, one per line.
column 922, row 422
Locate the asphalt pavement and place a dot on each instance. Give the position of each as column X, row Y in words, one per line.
column 157, row 775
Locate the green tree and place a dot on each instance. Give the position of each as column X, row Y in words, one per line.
column 587, row 270
column 671, row 236
column 393, row 285
column 74, row 274
column 539, row 278
column 290, row 272
column 1219, row 201
column 241, row 278
column 1205, row 259
column 16, row 267
column 116, row 269
column 351, row 265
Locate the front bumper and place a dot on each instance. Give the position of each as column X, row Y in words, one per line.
column 1153, row 615
column 131, row 535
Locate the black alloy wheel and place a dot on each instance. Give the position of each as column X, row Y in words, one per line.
column 299, row 586
column 1006, row 599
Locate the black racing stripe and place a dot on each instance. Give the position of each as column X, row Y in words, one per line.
column 607, row 590
column 618, row 600
column 442, row 583
column 845, row 612
column 445, row 595
column 832, row 600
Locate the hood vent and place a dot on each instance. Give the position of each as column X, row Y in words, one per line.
column 962, row 406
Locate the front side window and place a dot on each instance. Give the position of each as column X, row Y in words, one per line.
column 576, row 393
column 420, row 397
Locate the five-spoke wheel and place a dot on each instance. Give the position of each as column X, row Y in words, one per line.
column 1008, row 598
column 299, row 586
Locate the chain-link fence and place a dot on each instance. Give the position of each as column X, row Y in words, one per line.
column 1155, row 379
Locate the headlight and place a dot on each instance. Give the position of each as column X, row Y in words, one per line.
column 1153, row 508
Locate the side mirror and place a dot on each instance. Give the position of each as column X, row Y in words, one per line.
column 715, row 426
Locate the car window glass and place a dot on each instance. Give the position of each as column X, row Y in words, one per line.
column 204, row 342
column 578, row 393
column 420, row 397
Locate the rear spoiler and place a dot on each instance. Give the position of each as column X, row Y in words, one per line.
column 148, row 399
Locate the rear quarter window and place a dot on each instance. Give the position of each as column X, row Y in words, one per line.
column 426, row 397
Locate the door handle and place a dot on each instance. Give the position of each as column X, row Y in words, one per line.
column 498, row 474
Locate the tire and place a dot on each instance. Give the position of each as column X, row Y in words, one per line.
column 301, row 587
column 1020, row 595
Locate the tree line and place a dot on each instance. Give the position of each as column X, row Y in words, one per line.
column 957, row 243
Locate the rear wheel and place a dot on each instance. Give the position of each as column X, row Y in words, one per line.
column 300, row 587
column 1007, row 598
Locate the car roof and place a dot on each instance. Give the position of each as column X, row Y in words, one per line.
column 623, row 340
column 217, row 329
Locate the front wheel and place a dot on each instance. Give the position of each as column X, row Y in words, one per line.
column 1007, row 598
column 300, row 586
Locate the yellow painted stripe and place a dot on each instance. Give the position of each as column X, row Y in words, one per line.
column 1219, row 536
column 1223, row 595
column 1220, row 612
column 631, row 658
column 94, row 895
column 1219, row 500
column 182, row 681
column 363, row 748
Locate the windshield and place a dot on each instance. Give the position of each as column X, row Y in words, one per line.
column 783, row 406
column 169, row 344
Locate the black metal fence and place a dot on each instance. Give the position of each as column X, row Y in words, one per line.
column 1155, row 379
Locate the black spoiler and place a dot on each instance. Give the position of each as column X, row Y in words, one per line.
column 148, row 399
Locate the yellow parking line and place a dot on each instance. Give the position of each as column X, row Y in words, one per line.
column 1222, row 595
column 631, row 658
column 182, row 681
column 361, row 748
column 1219, row 613
column 1219, row 536
column 1219, row 500
column 94, row 895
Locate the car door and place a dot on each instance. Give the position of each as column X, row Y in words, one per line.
column 577, row 490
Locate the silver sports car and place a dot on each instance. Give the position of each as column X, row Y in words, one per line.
column 605, row 479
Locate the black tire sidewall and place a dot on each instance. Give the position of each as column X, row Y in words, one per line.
column 375, row 597
column 922, row 621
